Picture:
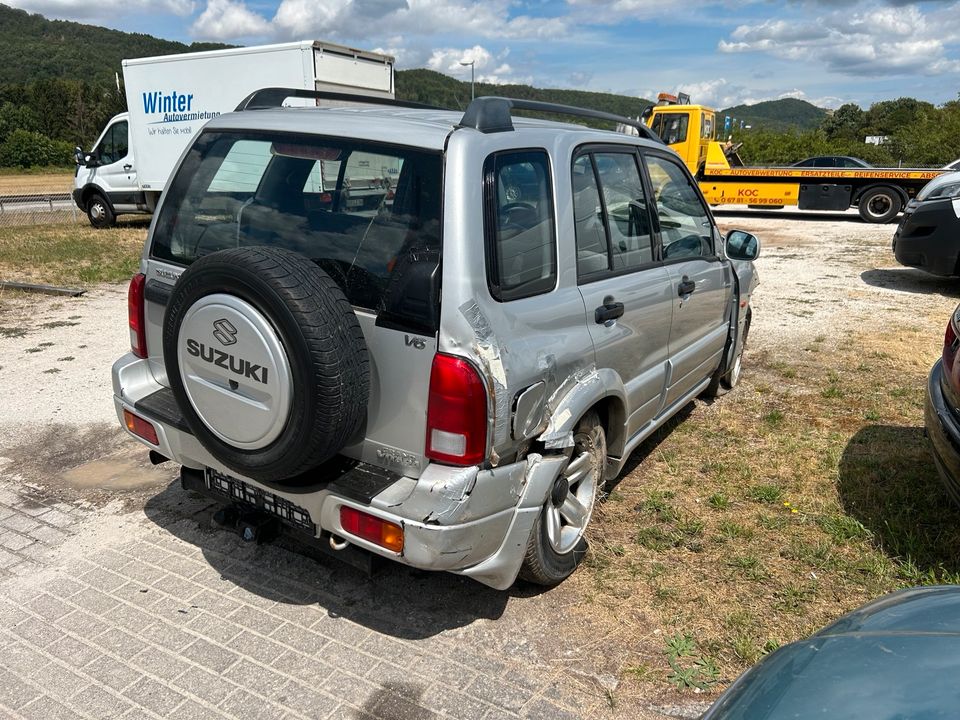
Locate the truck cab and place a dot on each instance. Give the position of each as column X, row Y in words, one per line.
column 105, row 183
column 687, row 129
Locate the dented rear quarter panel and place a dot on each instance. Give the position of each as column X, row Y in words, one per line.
column 520, row 342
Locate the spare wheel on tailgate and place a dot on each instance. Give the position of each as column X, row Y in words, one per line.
column 267, row 361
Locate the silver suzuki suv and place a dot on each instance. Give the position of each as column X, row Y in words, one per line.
column 429, row 335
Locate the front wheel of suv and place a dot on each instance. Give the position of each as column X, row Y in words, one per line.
column 557, row 543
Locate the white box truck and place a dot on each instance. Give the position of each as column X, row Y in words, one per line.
column 169, row 98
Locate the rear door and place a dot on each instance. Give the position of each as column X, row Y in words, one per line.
column 626, row 290
column 700, row 280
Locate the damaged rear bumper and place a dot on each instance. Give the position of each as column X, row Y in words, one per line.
column 467, row 521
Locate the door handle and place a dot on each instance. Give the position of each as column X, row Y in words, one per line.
column 128, row 168
column 686, row 286
column 610, row 310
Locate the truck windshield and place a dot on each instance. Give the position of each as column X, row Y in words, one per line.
column 368, row 214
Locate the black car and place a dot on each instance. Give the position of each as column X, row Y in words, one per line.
column 833, row 161
column 941, row 415
column 929, row 234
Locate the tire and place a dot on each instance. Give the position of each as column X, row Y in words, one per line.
column 727, row 380
column 880, row 205
column 100, row 212
column 309, row 372
column 551, row 557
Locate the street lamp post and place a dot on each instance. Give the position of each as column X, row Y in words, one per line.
column 471, row 64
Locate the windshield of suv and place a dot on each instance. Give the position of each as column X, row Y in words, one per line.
column 368, row 214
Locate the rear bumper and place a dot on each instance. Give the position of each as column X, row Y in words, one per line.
column 943, row 430
column 463, row 520
column 928, row 237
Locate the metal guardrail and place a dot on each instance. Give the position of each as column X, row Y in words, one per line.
column 38, row 208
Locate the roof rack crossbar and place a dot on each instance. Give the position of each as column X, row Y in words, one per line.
column 274, row 97
column 492, row 114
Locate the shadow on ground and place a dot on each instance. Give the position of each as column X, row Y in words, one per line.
column 888, row 481
column 912, row 280
column 395, row 600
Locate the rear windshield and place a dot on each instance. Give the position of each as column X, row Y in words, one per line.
column 368, row 214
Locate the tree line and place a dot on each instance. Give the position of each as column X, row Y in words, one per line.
column 915, row 134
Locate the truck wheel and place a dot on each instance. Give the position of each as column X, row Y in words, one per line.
column 267, row 361
column 879, row 205
column 557, row 543
column 99, row 212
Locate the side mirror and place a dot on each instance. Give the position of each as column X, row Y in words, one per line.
column 78, row 155
column 742, row 245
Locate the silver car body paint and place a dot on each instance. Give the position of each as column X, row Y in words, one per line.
column 544, row 360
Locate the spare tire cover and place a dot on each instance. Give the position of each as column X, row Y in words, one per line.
column 267, row 361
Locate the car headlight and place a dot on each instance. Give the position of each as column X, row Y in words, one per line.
column 934, row 191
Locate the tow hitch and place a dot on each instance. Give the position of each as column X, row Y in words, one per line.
column 252, row 525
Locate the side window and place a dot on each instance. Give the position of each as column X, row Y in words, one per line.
column 120, row 140
column 628, row 218
column 106, row 151
column 685, row 227
column 519, row 224
column 592, row 253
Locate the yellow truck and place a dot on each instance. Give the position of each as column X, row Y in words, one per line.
column 691, row 130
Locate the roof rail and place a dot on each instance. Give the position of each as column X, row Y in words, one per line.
column 492, row 114
column 274, row 97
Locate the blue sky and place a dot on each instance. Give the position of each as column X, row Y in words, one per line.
column 722, row 52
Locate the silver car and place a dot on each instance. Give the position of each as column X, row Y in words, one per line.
column 448, row 375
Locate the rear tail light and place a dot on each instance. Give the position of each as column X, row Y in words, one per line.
column 140, row 427
column 456, row 412
column 371, row 528
column 135, row 314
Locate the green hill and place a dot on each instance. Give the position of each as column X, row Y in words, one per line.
column 34, row 48
column 435, row 88
column 777, row 115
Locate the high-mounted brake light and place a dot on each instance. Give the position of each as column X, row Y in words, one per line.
column 369, row 527
column 456, row 412
column 136, row 315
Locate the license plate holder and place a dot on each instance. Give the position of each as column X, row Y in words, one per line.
column 238, row 491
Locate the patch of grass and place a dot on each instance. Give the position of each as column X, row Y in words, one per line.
column 843, row 528
column 688, row 668
column 718, row 501
column 765, row 493
column 831, row 391
column 12, row 332
column 731, row 530
column 773, row 419
column 71, row 254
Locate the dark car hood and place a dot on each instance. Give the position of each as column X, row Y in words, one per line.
column 896, row 658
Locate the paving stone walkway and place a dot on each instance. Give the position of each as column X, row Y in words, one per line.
column 106, row 613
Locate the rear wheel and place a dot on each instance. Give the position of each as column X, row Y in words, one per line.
column 557, row 543
column 880, row 205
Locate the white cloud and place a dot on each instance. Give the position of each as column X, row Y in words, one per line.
column 487, row 67
column 353, row 18
column 107, row 9
column 877, row 41
column 227, row 19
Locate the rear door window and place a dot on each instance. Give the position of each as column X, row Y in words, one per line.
column 368, row 214
column 519, row 224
